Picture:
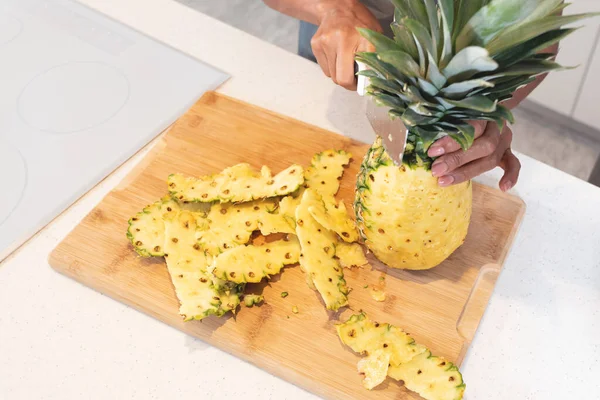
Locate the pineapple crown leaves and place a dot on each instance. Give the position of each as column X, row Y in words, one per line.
column 452, row 61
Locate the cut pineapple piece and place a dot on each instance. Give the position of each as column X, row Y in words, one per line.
column 350, row 255
column 377, row 294
column 365, row 336
column 374, row 368
column 146, row 231
column 317, row 259
column 236, row 184
column 335, row 218
column 187, row 264
column 251, row 300
column 253, row 263
column 326, row 170
column 431, row 377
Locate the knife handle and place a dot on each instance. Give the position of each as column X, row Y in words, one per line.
column 363, row 82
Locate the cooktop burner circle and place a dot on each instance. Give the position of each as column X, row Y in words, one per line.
column 73, row 97
column 13, row 175
column 10, row 28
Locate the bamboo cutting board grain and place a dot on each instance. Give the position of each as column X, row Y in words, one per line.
column 441, row 307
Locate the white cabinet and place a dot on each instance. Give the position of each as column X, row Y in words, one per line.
column 560, row 90
column 574, row 93
column 587, row 109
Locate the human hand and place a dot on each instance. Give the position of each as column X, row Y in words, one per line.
column 337, row 40
column 490, row 149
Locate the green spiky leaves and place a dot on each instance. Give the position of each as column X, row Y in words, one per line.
column 451, row 62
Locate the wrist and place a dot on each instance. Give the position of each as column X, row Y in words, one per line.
column 325, row 8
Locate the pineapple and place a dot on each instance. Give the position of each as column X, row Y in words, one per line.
column 406, row 219
column 390, row 349
column 449, row 62
column 236, row 184
column 324, row 272
column 350, row 255
column 253, row 263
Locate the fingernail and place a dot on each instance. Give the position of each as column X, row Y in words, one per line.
column 439, row 168
column 436, row 151
column 446, row 180
column 507, row 186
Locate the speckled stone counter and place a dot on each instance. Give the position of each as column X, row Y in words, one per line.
column 539, row 339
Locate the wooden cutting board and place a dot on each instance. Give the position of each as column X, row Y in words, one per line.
column 441, row 307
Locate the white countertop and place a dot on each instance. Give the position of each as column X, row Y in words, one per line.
column 539, row 339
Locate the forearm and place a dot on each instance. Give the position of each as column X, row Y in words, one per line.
column 525, row 91
column 311, row 11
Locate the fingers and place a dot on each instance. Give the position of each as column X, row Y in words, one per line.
column 448, row 145
column 502, row 156
column 468, row 171
column 345, row 66
column 484, row 146
column 325, row 50
column 320, row 55
column 512, row 167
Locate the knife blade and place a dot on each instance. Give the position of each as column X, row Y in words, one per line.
column 393, row 132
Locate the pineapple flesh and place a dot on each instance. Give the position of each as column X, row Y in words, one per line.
column 375, row 368
column 238, row 183
column 448, row 63
column 317, row 260
column 253, row 263
column 350, row 255
column 405, row 218
column 433, row 378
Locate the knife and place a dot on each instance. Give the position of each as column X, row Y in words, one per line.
column 393, row 132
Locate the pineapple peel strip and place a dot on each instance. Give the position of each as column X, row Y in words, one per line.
column 231, row 224
column 432, row 377
column 335, row 218
column 326, row 170
column 236, row 184
column 146, row 231
column 198, row 293
column 317, row 259
column 253, row 263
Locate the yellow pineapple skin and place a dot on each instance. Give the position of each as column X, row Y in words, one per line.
column 405, row 218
